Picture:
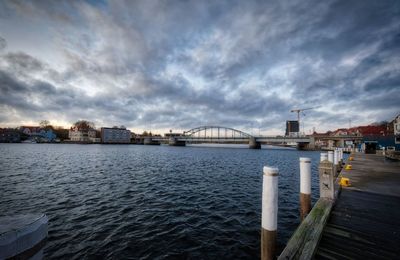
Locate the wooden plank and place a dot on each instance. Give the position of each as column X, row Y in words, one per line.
column 353, row 249
column 325, row 253
column 303, row 243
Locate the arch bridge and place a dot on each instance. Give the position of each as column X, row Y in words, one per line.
column 221, row 134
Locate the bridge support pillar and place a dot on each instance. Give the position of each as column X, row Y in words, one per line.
column 253, row 144
column 175, row 142
column 302, row 146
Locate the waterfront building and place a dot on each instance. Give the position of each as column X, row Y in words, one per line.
column 47, row 135
column 9, row 135
column 115, row 135
column 38, row 133
column 30, row 130
column 292, row 128
column 83, row 134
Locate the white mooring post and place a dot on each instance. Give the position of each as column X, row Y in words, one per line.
column 335, row 157
column 330, row 156
column 324, row 156
column 269, row 212
column 305, row 186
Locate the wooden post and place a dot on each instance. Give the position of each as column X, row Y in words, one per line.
column 305, row 187
column 326, row 181
column 269, row 221
column 341, row 157
column 336, row 162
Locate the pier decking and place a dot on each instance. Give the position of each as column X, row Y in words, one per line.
column 362, row 221
column 365, row 221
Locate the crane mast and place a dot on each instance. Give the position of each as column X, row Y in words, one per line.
column 298, row 114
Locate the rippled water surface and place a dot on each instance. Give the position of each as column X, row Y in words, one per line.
column 149, row 202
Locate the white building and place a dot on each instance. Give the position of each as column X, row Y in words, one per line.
column 115, row 135
column 77, row 134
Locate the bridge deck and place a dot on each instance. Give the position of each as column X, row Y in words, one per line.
column 276, row 139
column 365, row 221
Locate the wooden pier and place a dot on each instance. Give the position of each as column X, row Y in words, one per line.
column 361, row 222
column 365, row 221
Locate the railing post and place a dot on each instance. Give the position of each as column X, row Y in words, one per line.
column 269, row 220
column 326, row 180
column 305, row 187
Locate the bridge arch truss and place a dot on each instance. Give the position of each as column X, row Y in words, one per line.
column 217, row 132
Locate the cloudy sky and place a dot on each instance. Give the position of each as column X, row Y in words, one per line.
column 159, row 65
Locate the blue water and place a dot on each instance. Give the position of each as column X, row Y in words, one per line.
column 149, row 202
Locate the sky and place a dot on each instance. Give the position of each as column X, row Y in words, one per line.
column 160, row 65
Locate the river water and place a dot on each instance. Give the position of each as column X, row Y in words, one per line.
column 150, row 202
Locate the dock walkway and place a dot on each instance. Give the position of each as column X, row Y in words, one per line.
column 365, row 220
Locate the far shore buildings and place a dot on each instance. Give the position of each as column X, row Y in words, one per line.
column 384, row 135
column 119, row 135
column 9, row 135
column 83, row 134
column 38, row 133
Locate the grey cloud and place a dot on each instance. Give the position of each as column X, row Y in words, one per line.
column 37, row 98
column 387, row 82
column 3, row 43
column 23, row 62
column 240, row 63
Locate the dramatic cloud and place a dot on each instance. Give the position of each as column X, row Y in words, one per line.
column 3, row 44
column 176, row 65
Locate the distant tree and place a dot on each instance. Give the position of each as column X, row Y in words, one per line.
column 45, row 124
column 61, row 133
column 84, row 124
column 23, row 136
